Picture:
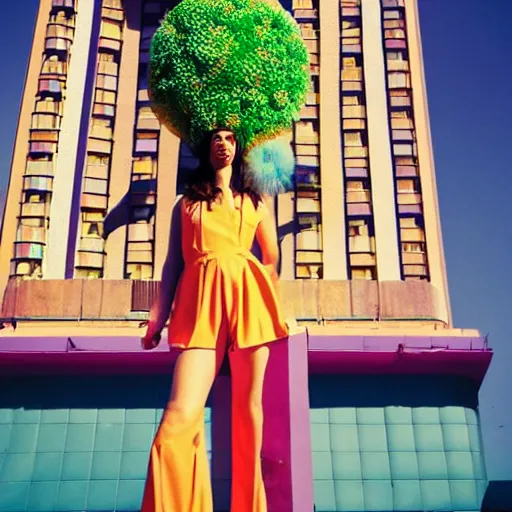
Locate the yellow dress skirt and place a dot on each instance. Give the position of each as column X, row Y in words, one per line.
column 224, row 289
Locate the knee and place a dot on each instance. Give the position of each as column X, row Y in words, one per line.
column 176, row 419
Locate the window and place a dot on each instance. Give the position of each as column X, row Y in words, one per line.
column 110, row 30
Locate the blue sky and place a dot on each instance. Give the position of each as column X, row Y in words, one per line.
column 467, row 52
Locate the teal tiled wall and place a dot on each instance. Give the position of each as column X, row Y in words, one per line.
column 395, row 444
column 78, row 443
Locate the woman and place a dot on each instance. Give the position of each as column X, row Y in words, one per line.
column 225, row 301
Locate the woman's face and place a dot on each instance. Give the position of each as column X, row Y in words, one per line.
column 222, row 149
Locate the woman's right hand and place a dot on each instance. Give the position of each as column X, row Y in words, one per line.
column 152, row 337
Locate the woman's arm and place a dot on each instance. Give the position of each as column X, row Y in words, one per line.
column 171, row 272
column 266, row 234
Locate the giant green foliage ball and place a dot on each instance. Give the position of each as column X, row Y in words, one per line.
column 237, row 64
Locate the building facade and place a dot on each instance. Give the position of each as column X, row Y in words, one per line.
column 380, row 401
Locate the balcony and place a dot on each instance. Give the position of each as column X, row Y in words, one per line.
column 355, row 152
column 56, row 30
column 415, row 271
column 112, row 45
column 101, row 110
column 350, row 12
column 387, row 4
column 407, row 198
column 91, row 245
column 142, row 232
column 39, row 168
column 135, row 256
column 412, row 235
column 113, row 14
column 38, row 183
column 148, row 123
column 312, row 45
column 44, row 136
column 358, row 196
column 308, row 240
column 359, row 209
column 146, row 146
column 89, row 260
column 35, row 210
column 95, row 186
column 309, row 112
column 396, row 44
column 30, row 234
column 107, row 82
column 414, row 258
column 99, row 146
column 354, row 112
column 67, row 5
column 57, row 45
column 307, row 160
column 28, row 250
column 93, row 201
column 108, row 68
column 50, row 88
column 356, row 172
column 101, row 132
column 362, row 260
column 305, row 14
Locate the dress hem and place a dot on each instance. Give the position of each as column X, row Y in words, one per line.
column 231, row 346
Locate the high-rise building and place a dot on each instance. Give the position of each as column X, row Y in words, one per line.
column 390, row 421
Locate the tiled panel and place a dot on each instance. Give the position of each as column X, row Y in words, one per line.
column 405, row 456
column 65, row 448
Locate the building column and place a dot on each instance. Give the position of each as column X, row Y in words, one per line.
column 381, row 162
column 286, row 233
column 331, row 167
column 54, row 264
column 167, row 177
column 121, row 165
column 435, row 251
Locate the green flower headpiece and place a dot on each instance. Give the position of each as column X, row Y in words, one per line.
column 237, row 64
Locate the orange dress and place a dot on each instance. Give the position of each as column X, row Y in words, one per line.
column 224, row 290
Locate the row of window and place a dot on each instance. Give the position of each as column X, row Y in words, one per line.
column 90, row 255
column 308, row 216
column 403, row 140
column 139, row 262
column 33, row 221
column 359, row 210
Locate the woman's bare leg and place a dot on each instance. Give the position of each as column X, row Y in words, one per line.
column 248, row 371
column 178, row 475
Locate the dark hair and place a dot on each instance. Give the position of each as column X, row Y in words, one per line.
column 200, row 186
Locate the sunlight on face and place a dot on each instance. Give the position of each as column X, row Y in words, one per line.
column 222, row 149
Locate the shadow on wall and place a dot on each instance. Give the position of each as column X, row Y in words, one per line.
column 498, row 497
column 386, row 390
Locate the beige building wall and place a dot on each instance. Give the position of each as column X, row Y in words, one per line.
column 13, row 197
column 54, row 263
column 284, row 217
column 435, row 250
column 168, row 155
column 331, row 173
